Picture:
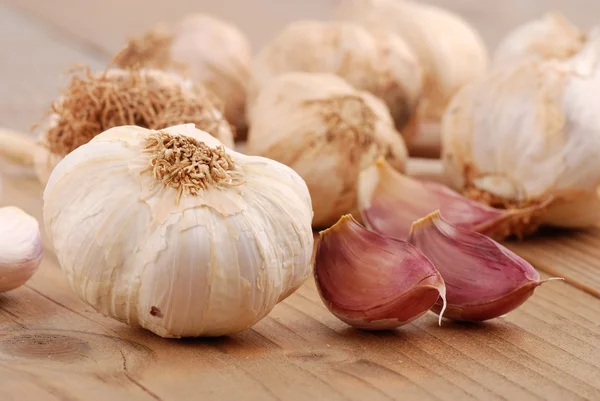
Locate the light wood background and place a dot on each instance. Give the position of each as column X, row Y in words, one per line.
column 54, row 347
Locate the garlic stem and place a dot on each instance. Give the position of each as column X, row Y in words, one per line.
column 16, row 147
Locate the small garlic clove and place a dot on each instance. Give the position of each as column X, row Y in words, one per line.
column 20, row 247
column 390, row 202
column 484, row 280
column 374, row 282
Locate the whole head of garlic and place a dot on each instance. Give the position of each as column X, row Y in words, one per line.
column 450, row 52
column 327, row 131
column 93, row 103
column 377, row 62
column 210, row 51
column 171, row 231
column 529, row 134
column 20, row 247
column 551, row 36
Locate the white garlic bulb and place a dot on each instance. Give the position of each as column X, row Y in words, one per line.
column 451, row 52
column 212, row 52
column 170, row 231
column 327, row 131
column 529, row 134
column 377, row 62
column 552, row 36
column 20, row 247
column 93, row 103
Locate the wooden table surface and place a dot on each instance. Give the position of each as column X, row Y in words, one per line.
column 54, row 347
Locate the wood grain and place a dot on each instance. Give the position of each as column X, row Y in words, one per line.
column 62, row 348
column 55, row 347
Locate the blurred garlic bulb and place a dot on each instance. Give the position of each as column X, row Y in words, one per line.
column 212, row 52
column 20, row 247
column 93, row 103
column 528, row 134
column 451, row 53
column 171, row 231
column 378, row 62
column 552, row 36
column 327, row 132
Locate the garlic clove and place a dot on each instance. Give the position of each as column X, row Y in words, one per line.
column 484, row 280
column 20, row 247
column 390, row 202
column 374, row 282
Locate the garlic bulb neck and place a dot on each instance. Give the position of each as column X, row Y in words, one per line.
column 188, row 165
column 151, row 50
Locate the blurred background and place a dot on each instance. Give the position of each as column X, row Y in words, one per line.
column 39, row 39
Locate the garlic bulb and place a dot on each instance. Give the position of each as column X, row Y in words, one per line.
column 171, row 231
column 212, row 52
column 327, row 132
column 552, row 36
column 378, row 62
column 20, row 247
column 451, row 53
column 529, row 134
column 93, row 103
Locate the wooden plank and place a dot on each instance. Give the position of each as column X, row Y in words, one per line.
column 55, row 347
column 572, row 255
column 548, row 349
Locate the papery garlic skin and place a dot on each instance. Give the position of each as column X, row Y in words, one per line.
column 20, row 247
column 550, row 37
column 327, row 132
column 44, row 159
column 528, row 134
column 376, row 62
column 484, row 280
column 208, row 50
column 449, row 50
column 371, row 281
column 179, row 264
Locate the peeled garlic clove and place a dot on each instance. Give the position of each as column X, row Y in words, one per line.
column 450, row 51
column 390, row 202
column 211, row 52
column 550, row 37
column 20, row 247
column 174, row 232
column 483, row 279
column 327, row 131
column 374, row 282
column 527, row 134
column 376, row 62
column 93, row 103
